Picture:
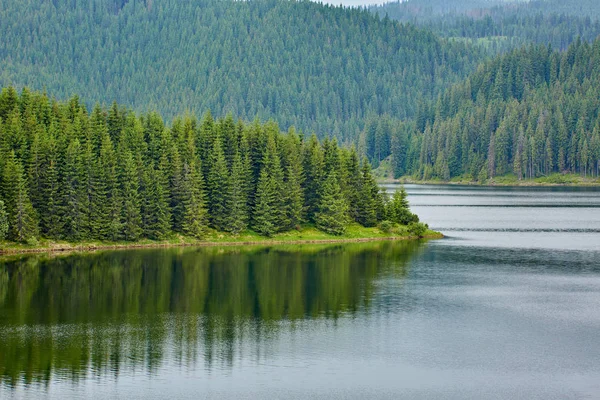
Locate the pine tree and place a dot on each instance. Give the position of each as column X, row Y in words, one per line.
column 194, row 206
column 369, row 198
column 218, row 176
column 3, row 221
column 156, row 213
column 333, row 209
column 22, row 216
column 131, row 217
column 353, row 184
column 293, row 194
column 51, row 211
column 272, row 166
column 74, row 199
column 265, row 219
column 236, row 200
column 397, row 209
column 314, row 174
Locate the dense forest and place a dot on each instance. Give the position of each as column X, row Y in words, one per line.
column 424, row 11
column 532, row 112
column 112, row 175
column 499, row 26
column 319, row 68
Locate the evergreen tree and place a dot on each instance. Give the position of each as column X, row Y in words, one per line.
column 131, row 217
column 332, row 214
column 397, row 209
column 293, row 193
column 236, row 200
column 75, row 216
column 265, row 218
column 156, row 213
column 3, row 221
column 218, row 177
column 23, row 219
column 194, row 208
column 370, row 202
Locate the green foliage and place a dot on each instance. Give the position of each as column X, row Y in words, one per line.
column 22, row 216
column 265, row 217
column 397, row 209
column 193, row 199
column 386, row 226
column 112, row 175
column 417, row 229
column 500, row 26
column 313, row 66
column 3, row 221
column 333, row 209
column 533, row 112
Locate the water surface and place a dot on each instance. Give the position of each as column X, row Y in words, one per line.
column 506, row 307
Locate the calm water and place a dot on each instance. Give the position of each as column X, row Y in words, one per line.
column 508, row 306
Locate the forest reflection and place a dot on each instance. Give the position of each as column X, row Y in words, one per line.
column 99, row 314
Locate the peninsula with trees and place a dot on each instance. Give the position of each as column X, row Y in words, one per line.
column 112, row 176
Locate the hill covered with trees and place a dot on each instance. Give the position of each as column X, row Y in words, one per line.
column 112, row 175
column 532, row 112
column 316, row 67
column 500, row 26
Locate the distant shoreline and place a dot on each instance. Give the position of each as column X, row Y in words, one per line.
column 62, row 247
column 493, row 183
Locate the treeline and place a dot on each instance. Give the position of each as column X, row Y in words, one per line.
column 424, row 11
column 316, row 67
column 500, row 26
column 505, row 30
column 111, row 175
column 530, row 113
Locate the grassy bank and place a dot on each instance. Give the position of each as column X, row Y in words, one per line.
column 508, row 180
column 306, row 235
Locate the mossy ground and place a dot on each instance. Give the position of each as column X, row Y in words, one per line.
column 307, row 234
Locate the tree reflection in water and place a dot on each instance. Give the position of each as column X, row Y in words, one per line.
column 99, row 314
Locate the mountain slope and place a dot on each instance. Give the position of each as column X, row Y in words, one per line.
column 501, row 26
column 530, row 113
column 317, row 67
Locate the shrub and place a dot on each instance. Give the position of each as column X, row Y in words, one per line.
column 386, row 226
column 417, row 229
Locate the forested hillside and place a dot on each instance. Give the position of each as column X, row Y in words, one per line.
column 319, row 68
column 532, row 112
column 111, row 175
column 501, row 26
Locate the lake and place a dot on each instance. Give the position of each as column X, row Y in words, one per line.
column 506, row 306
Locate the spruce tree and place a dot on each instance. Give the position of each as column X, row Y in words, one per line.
column 22, row 216
column 272, row 166
column 3, row 221
column 264, row 219
column 194, row 205
column 293, row 193
column 331, row 216
column 369, row 198
column 156, row 215
column 397, row 209
column 314, row 174
column 74, row 197
column 131, row 217
column 218, row 176
column 353, row 184
column 236, row 200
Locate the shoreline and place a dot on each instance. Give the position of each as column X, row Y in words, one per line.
column 63, row 248
column 528, row 183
